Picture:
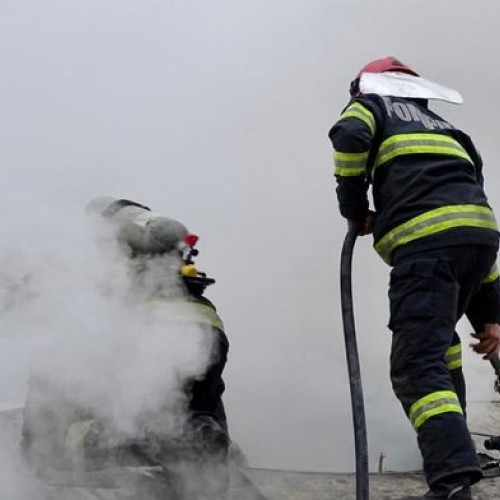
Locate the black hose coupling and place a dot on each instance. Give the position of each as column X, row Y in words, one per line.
column 492, row 443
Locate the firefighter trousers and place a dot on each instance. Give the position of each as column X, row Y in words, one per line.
column 429, row 292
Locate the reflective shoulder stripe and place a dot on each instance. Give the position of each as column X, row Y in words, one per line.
column 357, row 110
column 435, row 221
column 405, row 144
column 433, row 404
column 494, row 274
column 453, row 357
column 209, row 316
column 350, row 164
column 187, row 312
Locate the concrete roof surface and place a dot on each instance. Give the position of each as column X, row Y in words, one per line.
column 264, row 484
column 286, row 485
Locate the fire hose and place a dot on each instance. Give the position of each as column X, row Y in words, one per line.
column 356, row 388
column 495, row 363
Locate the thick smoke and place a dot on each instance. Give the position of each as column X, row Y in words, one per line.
column 86, row 325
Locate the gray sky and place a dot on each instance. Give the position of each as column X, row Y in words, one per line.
column 217, row 113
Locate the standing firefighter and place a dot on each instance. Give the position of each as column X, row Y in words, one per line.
column 433, row 225
column 61, row 435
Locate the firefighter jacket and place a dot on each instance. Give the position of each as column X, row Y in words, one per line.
column 59, row 433
column 205, row 392
column 426, row 176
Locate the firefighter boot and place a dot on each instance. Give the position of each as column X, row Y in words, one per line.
column 446, row 491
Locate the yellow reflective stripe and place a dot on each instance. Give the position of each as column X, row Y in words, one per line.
column 455, row 364
column 350, row 164
column 357, row 110
column 209, row 316
column 494, row 274
column 435, row 221
column 405, row 144
column 187, row 312
column 74, row 440
column 453, row 357
column 433, row 404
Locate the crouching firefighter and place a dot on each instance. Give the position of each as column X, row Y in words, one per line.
column 61, row 435
column 432, row 223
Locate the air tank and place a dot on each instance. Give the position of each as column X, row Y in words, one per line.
column 144, row 231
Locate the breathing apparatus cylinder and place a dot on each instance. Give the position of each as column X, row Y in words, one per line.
column 143, row 231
